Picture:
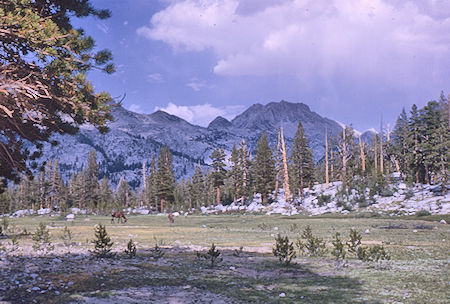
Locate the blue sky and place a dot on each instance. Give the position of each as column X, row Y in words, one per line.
column 352, row 61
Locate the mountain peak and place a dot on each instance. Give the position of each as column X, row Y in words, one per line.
column 164, row 117
column 219, row 123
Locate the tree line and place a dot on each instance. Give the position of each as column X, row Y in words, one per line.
column 416, row 150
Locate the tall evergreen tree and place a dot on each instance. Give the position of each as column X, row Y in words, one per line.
column 197, row 187
column 244, row 165
column 235, row 174
column 151, row 187
column 219, row 173
column 399, row 147
column 415, row 163
column 165, row 178
column 91, row 181
column 264, row 168
column 303, row 162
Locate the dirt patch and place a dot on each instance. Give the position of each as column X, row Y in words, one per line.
column 160, row 295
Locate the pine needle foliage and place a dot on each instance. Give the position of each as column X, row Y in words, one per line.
column 130, row 251
column 212, row 255
column 284, row 250
column 102, row 242
column 156, row 252
column 311, row 245
column 355, row 241
column 66, row 236
column 41, row 238
column 339, row 249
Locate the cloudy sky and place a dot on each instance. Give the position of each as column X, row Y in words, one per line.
column 353, row 61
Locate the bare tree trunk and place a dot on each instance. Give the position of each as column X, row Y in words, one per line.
column 344, row 160
column 218, row 195
column 277, row 164
column 162, row 204
column 375, row 149
column 287, row 191
column 381, row 149
column 363, row 156
column 327, row 178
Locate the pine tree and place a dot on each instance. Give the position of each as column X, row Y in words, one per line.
column 264, row 168
column 106, row 195
column 122, row 194
column 415, row 163
column 91, row 180
column 102, row 242
column 219, row 173
column 165, row 180
column 244, row 165
column 151, row 187
column 235, row 173
column 303, row 162
column 399, row 147
column 197, row 187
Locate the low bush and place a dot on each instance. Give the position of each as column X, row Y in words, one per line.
column 102, row 242
column 130, row 251
column 423, row 213
column 283, row 250
column 212, row 255
column 309, row 244
column 41, row 238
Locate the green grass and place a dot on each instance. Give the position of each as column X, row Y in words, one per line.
column 418, row 271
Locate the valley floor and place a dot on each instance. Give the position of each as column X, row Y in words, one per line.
column 418, row 271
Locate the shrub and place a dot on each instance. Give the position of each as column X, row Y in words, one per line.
column 14, row 242
column 376, row 254
column 423, row 213
column 311, row 245
column 339, row 249
column 67, row 236
column 409, row 193
column 5, row 223
column 323, row 199
column 156, row 252
column 212, row 255
column 130, row 251
column 41, row 238
column 102, row 242
column 238, row 252
column 294, row 227
column 283, row 250
column 355, row 241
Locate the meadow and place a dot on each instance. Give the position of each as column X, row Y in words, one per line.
column 417, row 272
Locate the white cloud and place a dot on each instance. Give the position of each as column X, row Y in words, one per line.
column 155, row 78
column 202, row 114
column 196, row 84
column 377, row 39
column 135, row 108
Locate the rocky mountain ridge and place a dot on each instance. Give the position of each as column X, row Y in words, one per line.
column 135, row 138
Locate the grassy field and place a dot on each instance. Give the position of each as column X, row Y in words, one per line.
column 418, row 271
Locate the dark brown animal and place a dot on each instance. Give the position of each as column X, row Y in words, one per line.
column 119, row 215
column 171, row 219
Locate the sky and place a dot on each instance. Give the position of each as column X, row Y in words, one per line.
column 353, row 61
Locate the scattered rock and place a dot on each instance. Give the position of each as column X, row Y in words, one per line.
column 282, row 295
column 442, row 221
column 35, row 288
column 367, row 231
column 70, row 217
column 232, row 268
column 414, row 230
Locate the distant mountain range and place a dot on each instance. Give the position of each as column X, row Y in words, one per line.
column 135, row 138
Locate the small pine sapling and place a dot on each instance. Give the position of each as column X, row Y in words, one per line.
column 284, row 250
column 14, row 242
column 156, row 252
column 102, row 242
column 238, row 252
column 312, row 246
column 355, row 242
column 5, row 223
column 41, row 238
column 212, row 255
column 376, row 254
column 130, row 251
column 338, row 250
column 67, row 236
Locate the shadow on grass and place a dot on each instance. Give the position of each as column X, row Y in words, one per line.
column 250, row 278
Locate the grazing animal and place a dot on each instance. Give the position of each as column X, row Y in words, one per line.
column 119, row 215
column 171, row 219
